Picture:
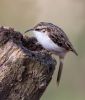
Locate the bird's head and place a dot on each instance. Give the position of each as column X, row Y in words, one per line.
column 42, row 27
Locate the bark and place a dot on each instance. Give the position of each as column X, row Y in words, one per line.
column 25, row 68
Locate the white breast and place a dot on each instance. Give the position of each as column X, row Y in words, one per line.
column 48, row 44
column 45, row 41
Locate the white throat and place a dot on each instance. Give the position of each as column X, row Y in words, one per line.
column 40, row 36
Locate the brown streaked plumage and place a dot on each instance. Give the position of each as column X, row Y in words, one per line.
column 53, row 39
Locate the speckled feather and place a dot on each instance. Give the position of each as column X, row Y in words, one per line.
column 57, row 35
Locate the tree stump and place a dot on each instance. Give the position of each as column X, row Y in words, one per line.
column 25, row 70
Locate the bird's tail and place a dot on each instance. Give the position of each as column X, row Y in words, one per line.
column 59, row 73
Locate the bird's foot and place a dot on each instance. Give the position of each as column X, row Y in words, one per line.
column 37, row 43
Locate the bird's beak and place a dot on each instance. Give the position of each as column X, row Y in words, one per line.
column 29, row 30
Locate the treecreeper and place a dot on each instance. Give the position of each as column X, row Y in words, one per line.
column 54, row 40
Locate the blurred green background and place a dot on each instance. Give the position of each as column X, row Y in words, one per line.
column 70, row 16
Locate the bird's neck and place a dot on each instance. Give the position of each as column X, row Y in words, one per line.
column 40, row 35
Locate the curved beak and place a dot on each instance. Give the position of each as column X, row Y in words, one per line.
column 29, row 30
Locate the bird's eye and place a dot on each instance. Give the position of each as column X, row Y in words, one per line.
column 43, row 30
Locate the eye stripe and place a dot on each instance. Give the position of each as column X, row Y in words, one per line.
column 37, row 29
column 40, row 29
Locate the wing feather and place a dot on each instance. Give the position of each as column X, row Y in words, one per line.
column 60, row 38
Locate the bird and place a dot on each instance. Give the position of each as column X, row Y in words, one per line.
column 53, row 39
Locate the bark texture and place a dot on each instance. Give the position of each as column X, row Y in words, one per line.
column 25, row 68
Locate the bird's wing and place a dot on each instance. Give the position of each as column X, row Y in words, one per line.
column 60, row 38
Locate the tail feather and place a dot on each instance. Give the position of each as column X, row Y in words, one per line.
column 59, row 73
column 74, row 51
